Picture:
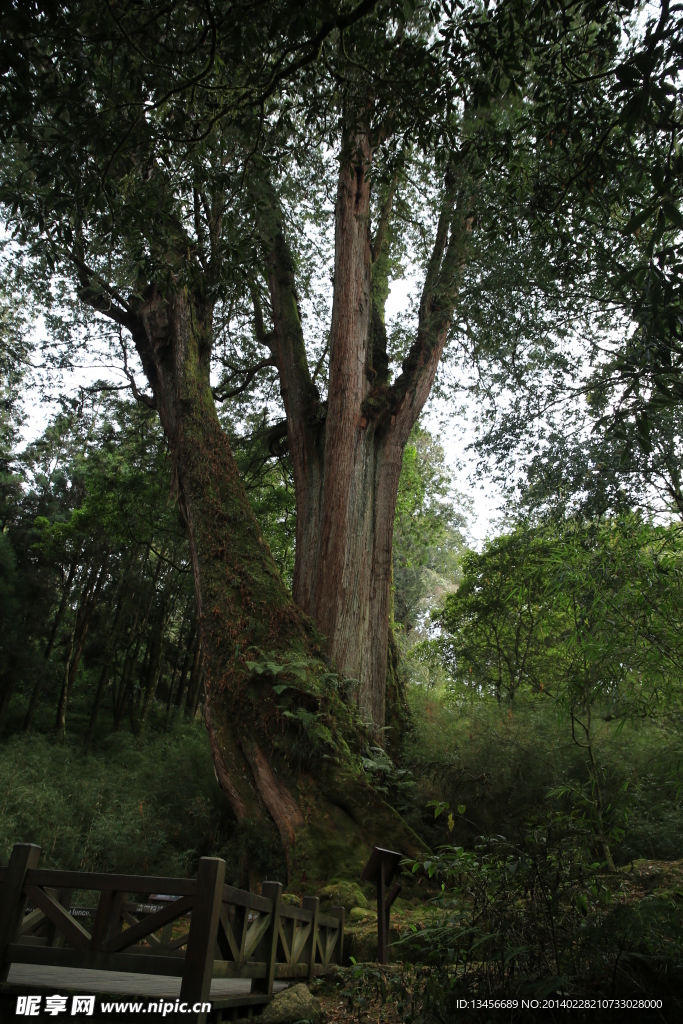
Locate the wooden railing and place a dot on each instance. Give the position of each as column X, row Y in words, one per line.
column 196, row 930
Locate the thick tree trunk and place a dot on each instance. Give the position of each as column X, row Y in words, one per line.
column 347, row 456
column 245, row 615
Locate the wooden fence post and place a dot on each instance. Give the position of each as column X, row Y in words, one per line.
column 272, row 891
column 55, row 938
column 382, row 952
column 338, row 952
column 380, row 869
column 201, row 943
column 12, row 900
column 312, row 903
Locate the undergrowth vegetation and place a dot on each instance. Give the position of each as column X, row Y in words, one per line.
column 517, row 900
column 152, row 808
column 506, row 763
column 137, row 806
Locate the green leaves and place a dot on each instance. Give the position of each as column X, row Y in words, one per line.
column 584, row 613
column 298, row 669
column 428, row 529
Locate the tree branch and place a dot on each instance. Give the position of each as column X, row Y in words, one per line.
column 139, row 396
column 263, row 336
column 276, row 439
column 403, row 401
column 221, row 396
column 385, row 214
column 199, row 230
column 104, row 299
column 314, row 45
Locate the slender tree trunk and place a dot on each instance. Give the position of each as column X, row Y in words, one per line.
column 8, row 679
column 195, row 682
column 154, row 667
column 99, row 694
column 200, row 692
column 109, row 654
column 38, row 685
column 121, row 698
column 593, row 768
column 188, row 659
column 174, row 673
column 78, row 638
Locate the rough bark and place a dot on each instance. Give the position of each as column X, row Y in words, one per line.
column 347, row 455
column 244, row 614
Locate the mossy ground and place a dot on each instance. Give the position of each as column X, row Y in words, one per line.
column 649, row 891
column 633, row 884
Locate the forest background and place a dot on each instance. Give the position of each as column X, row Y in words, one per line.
column 533, row 688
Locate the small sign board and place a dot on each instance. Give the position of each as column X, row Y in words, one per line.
column 380, row 869
column 379, row 856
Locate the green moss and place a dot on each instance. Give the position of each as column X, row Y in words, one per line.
column 344, row 894
column 359, row 914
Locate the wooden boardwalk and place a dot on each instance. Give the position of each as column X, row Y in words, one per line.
column 151, row 986
column 198, row 940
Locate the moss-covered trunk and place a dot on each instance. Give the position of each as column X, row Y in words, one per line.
column 284, row 756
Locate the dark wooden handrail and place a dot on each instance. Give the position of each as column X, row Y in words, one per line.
column 257, row 935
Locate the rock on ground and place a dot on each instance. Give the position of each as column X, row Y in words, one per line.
column 292, row 1005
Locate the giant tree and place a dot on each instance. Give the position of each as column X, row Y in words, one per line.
column 128, row 133
column 476, row 139
column 143, row 149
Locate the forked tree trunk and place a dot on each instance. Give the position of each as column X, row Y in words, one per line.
column 245, row 614
column 347, row 454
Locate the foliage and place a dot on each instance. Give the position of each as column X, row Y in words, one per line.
column 560, row 723
column 575, row 326
column 533, row 916
column 428, row 531
column 508, row 763
column 269, row 484
column 125, row 807
column 583, row 612
column 397, row 784
column 100, row 565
